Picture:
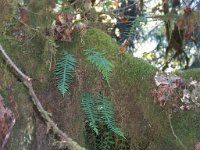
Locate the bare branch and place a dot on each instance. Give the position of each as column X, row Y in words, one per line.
column 10, row 62
column 65, row 140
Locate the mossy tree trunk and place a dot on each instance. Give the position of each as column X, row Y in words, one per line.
column 146, row 125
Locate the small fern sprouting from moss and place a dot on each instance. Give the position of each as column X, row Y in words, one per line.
column 64, row 69
column 89, row 108
column 104, row 66
column 98, row 109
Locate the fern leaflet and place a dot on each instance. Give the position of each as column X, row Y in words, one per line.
column 89, row 108
column 107, row 141
column 104, row 66
column 64, row 69
column 136, row 24
column 106, row 111
column 98, row 109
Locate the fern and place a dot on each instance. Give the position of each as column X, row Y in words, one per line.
column 136, row 24
column 103, row 65
column 98, row 109
column 107, row 141
column 89, row 108
column 64, row 69
column 106, row 111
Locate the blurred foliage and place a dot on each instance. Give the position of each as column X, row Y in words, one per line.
column 146, row 32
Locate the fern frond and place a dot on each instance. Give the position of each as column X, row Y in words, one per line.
column 98, row 109
column 89, row 108
column 107, row 141
column 136, row 25
column 103, row 65
column 64, row 69
column 106, row 111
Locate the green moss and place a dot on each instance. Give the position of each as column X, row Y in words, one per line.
column 94, row 38
column 186, row 126
column 100, row 40
column 22, row 131
column 29, row 59
column 194, row 73
column 5, row 11
column 184, row 123
column 134, row 69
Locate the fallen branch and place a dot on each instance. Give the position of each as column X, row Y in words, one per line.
column 65, row 140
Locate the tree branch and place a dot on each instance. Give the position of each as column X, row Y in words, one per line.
column 65, row 140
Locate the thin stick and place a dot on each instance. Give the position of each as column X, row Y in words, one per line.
column 65, row 140
column 8, row 134
column 174, row 134
column 76, row 1
column 10, row 62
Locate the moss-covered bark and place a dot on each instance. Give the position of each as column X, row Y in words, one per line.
column 145, row 123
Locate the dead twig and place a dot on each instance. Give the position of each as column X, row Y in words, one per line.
column 65, row 140
column 174, row 134
column 7, row 120
column 8, row 134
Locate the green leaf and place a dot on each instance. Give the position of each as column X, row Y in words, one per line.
column 89, row 108
column 136, row 24
column 109, row 3
column 64, row 70
column 103, row 65
column 107, row 113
